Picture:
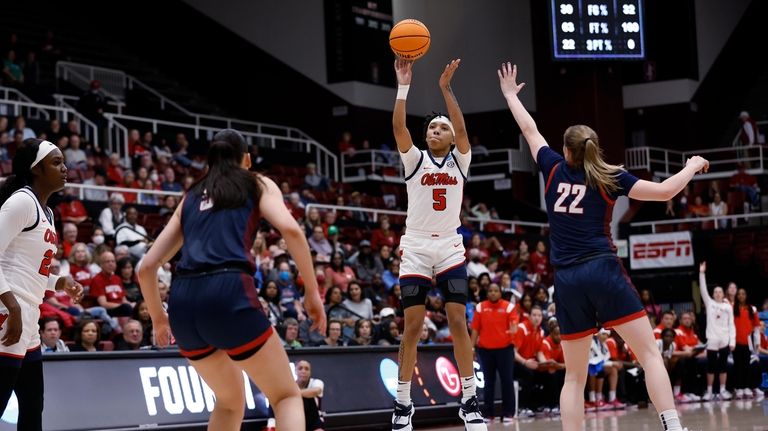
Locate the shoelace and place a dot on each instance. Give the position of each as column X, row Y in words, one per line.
column 401, row 412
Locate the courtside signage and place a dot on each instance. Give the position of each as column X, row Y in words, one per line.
column 661, row 250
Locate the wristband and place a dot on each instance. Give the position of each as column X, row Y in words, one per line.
column 402, row 91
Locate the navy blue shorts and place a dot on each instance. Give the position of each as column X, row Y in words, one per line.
column 219, row 310
column 592, row 294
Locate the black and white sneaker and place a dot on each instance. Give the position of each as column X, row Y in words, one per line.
column 401, row 417
column 470, row 414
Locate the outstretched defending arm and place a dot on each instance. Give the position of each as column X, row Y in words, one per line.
column 510, row 88
column 454, row 112
column 703, row 284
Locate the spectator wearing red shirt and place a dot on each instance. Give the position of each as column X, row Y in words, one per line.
column 107, row 288
column 528, row 339
column 69, row 237
column 72, row 210
column 667, row 322
column 540, row 262
column 383, row 235
column 115, row 170
column 685, row 370
column 747, row 336
column 552, row 365
column 747, row 183
column 494, row 325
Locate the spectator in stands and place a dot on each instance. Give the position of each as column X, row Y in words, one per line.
column 87, row 337
column 4, row 123
column 271, row 294
column 131, row 234
column 148, row 198
column 71, row 209
column 600, row 365
column 312, row 220
column 319, row 243
column 291, row 333
column 290, row 298
column 20, row 128
column 129, row 181
column 107, row 288
column 31, row 71
column 13, row 74
column 719, row 208
column 50, row 336
column 311, row 394
column 391, row 276
column 127, row 275
column 528, row 339
column 69, row 238
column 666, row 345
column 161, row 152
column 365, row 263
column 258, row 162
column 345, row 144
column 481, row 212
column 5, row 150
column 112, row 216
column 384, row 235
column 540, row 262
column 687, row 346
column 363, row 333
column 494, row 325
column 335, row 309
column 523, row 255
column 92, row 103
column 314, row 180
column 334, row 337
column 650, row 306
column 667, row 322
column 99, row 179
column 338, row 273
column 393, row 298
column 541, row 298
column 53, row 133
column 553, row 364
column 115, row 170
column 361, row 307
column 730, row 293
column 721, row 335
column 356, row 200
column 747, row 183
column 169, row 205
column 73, row 128
column 698, row 208
column 141, row 315
column 389, row 332
column 169, row 183
column 748, row 132
column 133, row 335
column 747, row 336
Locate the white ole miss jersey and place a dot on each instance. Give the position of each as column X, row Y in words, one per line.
column 435, row 189
column 27, row 247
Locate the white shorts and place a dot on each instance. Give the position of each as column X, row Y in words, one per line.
column 428, row 255
column 30, row 334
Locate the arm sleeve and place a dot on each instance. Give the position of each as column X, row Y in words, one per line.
column 626, row 181
column 317, row 383
column 547, row 158
column 463, row 160
column 52, row 280
column 18, row 212
column 410, row 160
column 731, row 328
column 105, row 220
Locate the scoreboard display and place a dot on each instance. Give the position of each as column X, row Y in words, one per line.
column 597, row 29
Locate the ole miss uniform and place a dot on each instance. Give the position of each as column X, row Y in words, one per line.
column 27, row 247
column 591, row 287
column 214, row 303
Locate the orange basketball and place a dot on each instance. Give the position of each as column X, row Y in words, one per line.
column 409, row 39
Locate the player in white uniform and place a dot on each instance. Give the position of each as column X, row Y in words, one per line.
column 431, row 247
column 27, row 246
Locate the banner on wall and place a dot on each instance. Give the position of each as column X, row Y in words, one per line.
column 661, row 250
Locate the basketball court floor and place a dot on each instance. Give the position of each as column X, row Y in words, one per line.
column 719, row 416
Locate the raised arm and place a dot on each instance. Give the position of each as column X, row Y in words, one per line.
column 649, row 191
column 703, row 284
column 510, row 88
column 403, row 70
column 454, row 112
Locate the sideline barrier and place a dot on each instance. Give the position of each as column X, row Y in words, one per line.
column 159, row 389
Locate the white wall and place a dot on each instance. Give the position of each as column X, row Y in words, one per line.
column 483, row 33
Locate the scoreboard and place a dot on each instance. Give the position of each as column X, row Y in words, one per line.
column 597, row 29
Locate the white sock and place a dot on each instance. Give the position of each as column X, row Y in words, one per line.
column 670, row 421
column 404, row 393
column 677, row 390
column 591, row 396
column 612, row 396
column 271, row 423
column 467, row 388
column 709, row 390
column 599, row 396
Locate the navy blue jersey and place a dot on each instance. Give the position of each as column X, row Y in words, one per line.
column 216, row 238
column 579, row 215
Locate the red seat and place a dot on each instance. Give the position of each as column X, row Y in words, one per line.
column 6, row 167
column 107, row 346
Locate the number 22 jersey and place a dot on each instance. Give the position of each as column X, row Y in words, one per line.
column 579, row 215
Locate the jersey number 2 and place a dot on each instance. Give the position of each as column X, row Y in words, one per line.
column 565, row 190
column 45, row 265
column 438, row 196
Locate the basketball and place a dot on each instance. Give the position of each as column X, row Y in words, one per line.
column 409, row 39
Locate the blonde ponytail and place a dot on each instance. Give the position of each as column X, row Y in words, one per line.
column 582, row 142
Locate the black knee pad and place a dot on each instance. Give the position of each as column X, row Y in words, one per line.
column 454, row 290
column 413, row 294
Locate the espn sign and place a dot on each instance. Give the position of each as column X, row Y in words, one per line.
column 662, row 250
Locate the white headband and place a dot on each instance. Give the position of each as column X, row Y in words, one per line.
column 45, row 148
column 446, row 120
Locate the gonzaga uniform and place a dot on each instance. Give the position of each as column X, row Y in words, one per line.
column 27, row 240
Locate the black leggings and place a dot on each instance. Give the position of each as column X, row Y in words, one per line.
column 741, row 367
column 27, row 381
column 717, row 360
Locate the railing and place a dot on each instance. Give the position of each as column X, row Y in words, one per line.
column 698, row 220
column 69, row 101
column 7, row 93
column 89, row 130
column 723, row 162
column 118, row 139
column 81, row 75
column 736, row 142
column 109, row 189
column 513, row 224
column 486, row 165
